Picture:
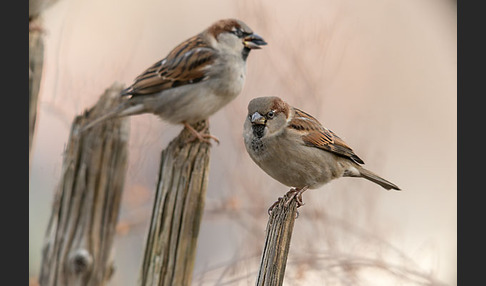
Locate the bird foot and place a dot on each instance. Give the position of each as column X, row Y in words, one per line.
column 270, row 209
column 293, row 193
column 297, row 194
column 203, row 137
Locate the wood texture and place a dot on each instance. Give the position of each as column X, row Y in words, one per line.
column 80, row 234
column 277, row 243
column 36, row 62
column 177, row 213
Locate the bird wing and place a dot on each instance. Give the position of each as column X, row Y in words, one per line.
column 185, row 64
column 315, row 135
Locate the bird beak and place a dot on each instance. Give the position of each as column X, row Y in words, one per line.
column 257, row 119
column 253, row 41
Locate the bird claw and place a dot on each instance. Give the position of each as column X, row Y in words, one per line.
column 203, row 137
column 297, row 194
column 270, row 209
column 206, row 138
column 293, row 193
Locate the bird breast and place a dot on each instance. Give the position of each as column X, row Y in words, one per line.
column 291, row 163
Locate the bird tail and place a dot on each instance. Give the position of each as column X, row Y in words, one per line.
column 124, row 109
column 364, row 173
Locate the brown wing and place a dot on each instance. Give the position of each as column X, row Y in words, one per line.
column 185, row 64
column 315, row 135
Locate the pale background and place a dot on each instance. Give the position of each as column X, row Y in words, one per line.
column 381, row 74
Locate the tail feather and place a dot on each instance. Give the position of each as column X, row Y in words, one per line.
column 377, row 179
column 124, row 109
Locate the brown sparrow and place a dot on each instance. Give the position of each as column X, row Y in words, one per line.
column 295, row 149
column 196, row 79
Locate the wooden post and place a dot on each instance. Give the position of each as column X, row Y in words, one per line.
column 277, row 243
column 178, row 207
column 36, row 61
column 81, row 229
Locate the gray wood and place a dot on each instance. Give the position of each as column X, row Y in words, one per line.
column 277, row 243
column 81, row 229
column 36, row 62
column 177, row 213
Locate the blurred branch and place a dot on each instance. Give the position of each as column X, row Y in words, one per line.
column 341, row 263
column 81, row 228
column 179, row 202
column 277, row 242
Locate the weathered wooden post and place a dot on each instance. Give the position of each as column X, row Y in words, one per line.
column 277, row 243
column 36, row 62
column 179, row 202
column 81, row 229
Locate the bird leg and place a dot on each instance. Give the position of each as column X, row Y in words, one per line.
column 200, row 135
column 297, row 194
column 294, row 193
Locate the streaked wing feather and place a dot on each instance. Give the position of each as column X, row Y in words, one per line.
column 315, row 135
column 185, row 64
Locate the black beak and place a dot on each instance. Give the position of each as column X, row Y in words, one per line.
column 254, row 41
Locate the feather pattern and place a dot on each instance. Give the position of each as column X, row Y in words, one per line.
column 185, row 64
column 315, row 135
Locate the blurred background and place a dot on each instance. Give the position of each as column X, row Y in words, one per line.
column 381, row 74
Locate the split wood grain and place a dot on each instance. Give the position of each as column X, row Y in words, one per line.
column 177, row 213
column 79, row 238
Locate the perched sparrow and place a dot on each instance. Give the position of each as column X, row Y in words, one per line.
column 296, row 150
column 196, row 79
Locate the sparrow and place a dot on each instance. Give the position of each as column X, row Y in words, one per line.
column 196, row 79
column 295, row 149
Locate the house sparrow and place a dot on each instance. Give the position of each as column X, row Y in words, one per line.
column 295, row 149
column 196, row 79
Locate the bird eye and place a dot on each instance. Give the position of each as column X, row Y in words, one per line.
column 237, row 32
column 271, row 114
